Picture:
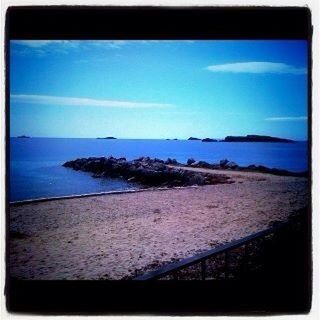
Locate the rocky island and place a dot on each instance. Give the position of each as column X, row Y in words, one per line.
column 209, row 140
column 247, row 138
column 193, row 138
column 255, row 138
column 108, row 138
column 23, row 137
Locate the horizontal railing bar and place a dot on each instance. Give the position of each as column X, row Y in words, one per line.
column 175, row 266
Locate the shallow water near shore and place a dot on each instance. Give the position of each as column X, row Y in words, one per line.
column 36, row 164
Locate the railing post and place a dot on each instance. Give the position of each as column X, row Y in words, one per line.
column 245, row 260
column 203, row 269
column 226, row 264
column 175, row 275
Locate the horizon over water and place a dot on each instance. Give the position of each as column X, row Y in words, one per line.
column 127, row 138
column 36, row 163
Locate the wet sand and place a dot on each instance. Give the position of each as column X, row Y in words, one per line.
column 109, row 236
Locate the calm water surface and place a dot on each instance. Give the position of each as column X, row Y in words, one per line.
column 36, row 164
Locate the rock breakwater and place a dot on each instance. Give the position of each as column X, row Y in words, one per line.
column 146, row 171
column 231, row 165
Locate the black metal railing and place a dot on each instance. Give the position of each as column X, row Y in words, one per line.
column 172, row 269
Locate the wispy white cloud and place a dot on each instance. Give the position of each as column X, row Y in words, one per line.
column 45, row 43
column 302, row 118
column 115, row 44
column 73, row 101
column 257, row 68
column 42, row 48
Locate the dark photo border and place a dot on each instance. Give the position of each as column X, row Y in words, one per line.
column 158, row 297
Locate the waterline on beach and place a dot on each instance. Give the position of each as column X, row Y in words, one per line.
column 36, row 164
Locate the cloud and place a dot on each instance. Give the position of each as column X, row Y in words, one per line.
column 42, row 48
column 114, row 44
column 72, row 101
column 71, row 43
column 302, row 118
column 257, row 68
column 44, row 43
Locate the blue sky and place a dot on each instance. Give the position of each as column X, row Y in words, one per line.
column 158, row 89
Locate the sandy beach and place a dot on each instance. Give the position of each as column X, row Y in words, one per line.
column 111, row 236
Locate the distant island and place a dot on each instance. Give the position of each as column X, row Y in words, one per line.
column 24, row 137
column 192, row 138
column 255, row 138
column 209, row 140
column 247, row 138
column 108, row 138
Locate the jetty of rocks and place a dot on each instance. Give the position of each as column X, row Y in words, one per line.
column 146, row 171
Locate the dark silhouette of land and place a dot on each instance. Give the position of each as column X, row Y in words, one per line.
column 209, row 140
column 255, row 138
column 193, row 138
column 247, row 138
column 108, row 138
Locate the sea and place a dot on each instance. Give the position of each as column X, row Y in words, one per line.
column 36, row 169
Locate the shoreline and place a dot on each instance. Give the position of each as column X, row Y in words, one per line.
column 85, row 195
column 111, row 236
column 229, row 172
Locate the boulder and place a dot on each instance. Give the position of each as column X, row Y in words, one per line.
column 158, row 160
column 231, row 165
column 171, row 161
column 223, row 162
column 190, row 161
column 203, row 164
column 263, row 169
column 92, row 165
column 158, row 166
column 196, row 179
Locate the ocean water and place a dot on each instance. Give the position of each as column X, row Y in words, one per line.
column 36, row 164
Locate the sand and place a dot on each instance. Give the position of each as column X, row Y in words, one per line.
column 110, row 236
